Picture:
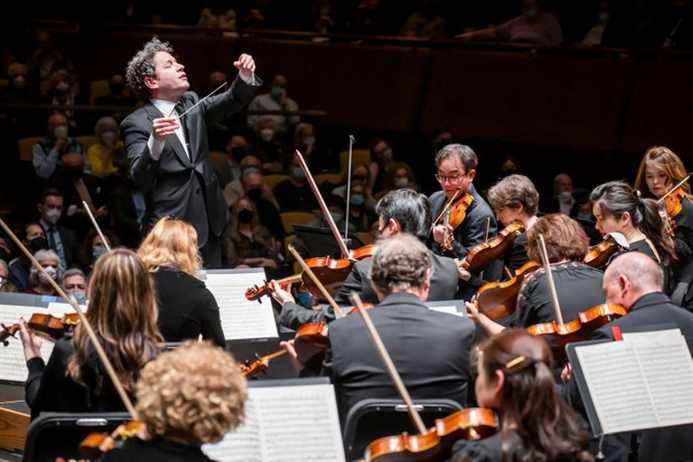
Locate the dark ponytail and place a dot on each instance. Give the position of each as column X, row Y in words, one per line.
column 652, row 225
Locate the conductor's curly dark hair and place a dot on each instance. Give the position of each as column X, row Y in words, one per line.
column 142, row 65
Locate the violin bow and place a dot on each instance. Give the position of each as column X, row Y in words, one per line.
column 83, row 320
column 552, row 284
column 348, row 191
column 337, row 310
column 389, row 365
column 96, row 226
column 678, row 185
column 445, row 209
column 198, row 103
column 323, row 206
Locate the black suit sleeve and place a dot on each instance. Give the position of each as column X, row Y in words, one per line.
column 229, row 102
column 210, row 322
column 353, row 283
column 44, row 384
column 36, row 367
column 143, row 168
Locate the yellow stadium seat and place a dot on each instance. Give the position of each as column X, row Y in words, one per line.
column 289, row 219
column 274, row 179
column 26, row 146
column 98, row 88
column 359, row 157
column 334, row 178
column 87, row 141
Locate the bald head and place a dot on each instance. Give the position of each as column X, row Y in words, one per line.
column 630, row 276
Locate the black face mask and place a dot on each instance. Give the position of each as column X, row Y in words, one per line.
column 254, row 194
column 245, row 216
column 38, row 243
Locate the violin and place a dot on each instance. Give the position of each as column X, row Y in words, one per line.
column 671, row 205
column 45, row 325
column 437, row 442
column 261, row 364
column 333, row 271
column 672, row 202
column 454, row 217
column 256, row 292
column 482, row 254
column 498, row 299
column 560, row 334
column 598, row 255
column 96, row 444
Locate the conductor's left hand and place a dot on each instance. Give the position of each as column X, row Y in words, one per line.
column 245, row 65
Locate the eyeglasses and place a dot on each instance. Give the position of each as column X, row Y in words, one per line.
column 451, row 179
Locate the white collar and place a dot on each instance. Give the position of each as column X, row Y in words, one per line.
column 165, row 107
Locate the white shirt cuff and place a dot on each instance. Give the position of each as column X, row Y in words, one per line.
column 250, row 80
column 155, row 147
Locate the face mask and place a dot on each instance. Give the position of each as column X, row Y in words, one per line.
column 53, row 215
column 309, row 140
column 386, row 154
column 38, row 243
column 298, row 173
column 52, row 272
column 276, row 93
column 60, row 131
column 19, row 81
column 357, row 200
column 109, row 137
column 97, row 251
column 304, row 299
column 62, row 87
column 80, row 296
column 245, row 216
column 401, row 182
column 266, row 134
column 254, row 194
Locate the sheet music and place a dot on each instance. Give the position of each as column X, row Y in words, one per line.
column 668, row 369
column 241, row 318
column 12, row 363
column 285, row 424
column 452, row 309
column 641, row 382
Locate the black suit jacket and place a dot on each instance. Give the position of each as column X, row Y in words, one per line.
column 430, row 350
column 670, row 444
column 186, row 308
column 69, row 240
column 156, row 450
column 177, row 185
column 444, row 281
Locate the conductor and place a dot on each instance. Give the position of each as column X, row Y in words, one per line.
column 168, row 154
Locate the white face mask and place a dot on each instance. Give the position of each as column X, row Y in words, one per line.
column 53, row 215
column 401, row 182
column 60, row 131
column 51, row 271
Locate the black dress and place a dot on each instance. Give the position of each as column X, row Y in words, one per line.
column 485, row 450
column 682, row 278
column 49, row 389
column 186, row 308
column 578, row 287
column 156, row 450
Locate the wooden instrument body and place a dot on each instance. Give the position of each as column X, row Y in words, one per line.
column 482, row 254
column 499, row 299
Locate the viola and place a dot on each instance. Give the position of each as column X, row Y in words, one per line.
column 96, row 444
column 498, row 299
column 261, row 364
column 598, row 255
column 560, row 334
column 45, row 325
column 482, row 254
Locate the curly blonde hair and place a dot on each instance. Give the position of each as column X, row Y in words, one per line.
column 195, row 392
column 171, row 242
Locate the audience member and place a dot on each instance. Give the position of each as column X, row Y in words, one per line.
column 38, row 283
column 60, row 238
column 294, row 193
column 48, row 153
column 34, row 238
column 74, row 283
column 276, row 100
column 100, row 159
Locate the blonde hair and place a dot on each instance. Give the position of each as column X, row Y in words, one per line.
column 195, row 392
column 171, row 242
column 123, row 313
column 664, row 160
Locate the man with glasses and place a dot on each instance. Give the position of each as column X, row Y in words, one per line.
column 456, row 165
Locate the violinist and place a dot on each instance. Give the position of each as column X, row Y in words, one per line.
column 513, row 199
column 618, row 208
column 515, row 379
column 430, row 349
column 457, row 164
column 122, row 310
column 635, row 281
column 187, row 309
column 578, row 285
column 399, row 211
column 186, row 397
column 660, row 170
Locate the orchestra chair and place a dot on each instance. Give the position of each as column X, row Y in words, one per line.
column 289, row 219
column 97, row 89
column 54, row 435
column 26, row 147
column 359, row 157
column 273, row 180
column 370, row 419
